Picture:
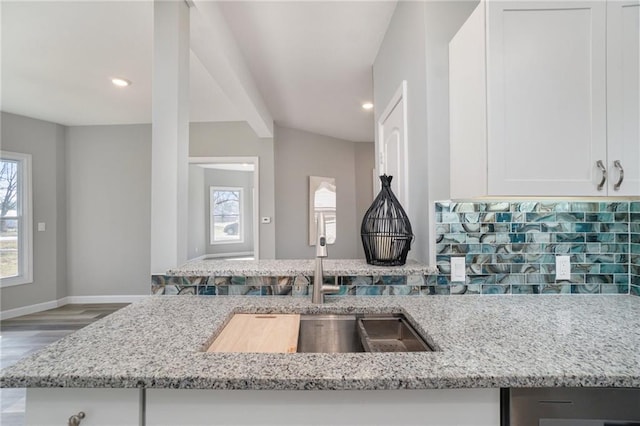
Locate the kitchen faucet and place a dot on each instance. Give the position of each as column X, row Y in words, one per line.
column 319, row 289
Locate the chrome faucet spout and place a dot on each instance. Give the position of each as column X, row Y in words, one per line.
column 319, row 288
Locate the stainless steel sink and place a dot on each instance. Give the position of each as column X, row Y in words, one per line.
column 329, row 334
column 358, row 333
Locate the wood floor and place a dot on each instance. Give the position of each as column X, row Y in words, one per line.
column 22, row 336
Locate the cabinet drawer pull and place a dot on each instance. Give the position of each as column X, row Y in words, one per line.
column 76, row 419
column 618, row 166
column 603, row 169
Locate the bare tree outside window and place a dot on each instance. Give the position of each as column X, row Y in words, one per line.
column 9, row 218
column 226, row 216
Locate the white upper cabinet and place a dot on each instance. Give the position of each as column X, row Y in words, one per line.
column 623, row 96
column 549, row 108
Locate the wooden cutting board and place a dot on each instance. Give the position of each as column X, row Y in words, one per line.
column 259, row 333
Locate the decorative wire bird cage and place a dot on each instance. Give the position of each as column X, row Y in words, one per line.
column 386, row 231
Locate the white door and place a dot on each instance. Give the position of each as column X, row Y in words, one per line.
column 546, row 97
column 392, row 144
column 623, row 96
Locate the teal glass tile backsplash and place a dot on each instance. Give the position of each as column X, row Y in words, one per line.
column 510, row 246
column 634, row 247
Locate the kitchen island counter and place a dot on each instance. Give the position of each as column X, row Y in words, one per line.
column 480, row 342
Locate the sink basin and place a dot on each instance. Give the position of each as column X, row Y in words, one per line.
column 329, row 334
column 358, row 333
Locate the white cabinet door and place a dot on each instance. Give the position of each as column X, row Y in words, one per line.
column 431, row 407
column 623, row 96
column 546, row 97
column 101, row 406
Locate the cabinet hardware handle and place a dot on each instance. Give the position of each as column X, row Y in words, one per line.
column 76, row 419
column 603, row 169
column 618, row 166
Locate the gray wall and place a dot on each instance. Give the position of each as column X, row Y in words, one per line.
column 415, row 48
column 365, row 163
column 196, row 240
column 237, row 139
column 299, row 155
column 402, row 56
column 230, row 178
column 45, row 142
column 109, row 209
column 443, row 20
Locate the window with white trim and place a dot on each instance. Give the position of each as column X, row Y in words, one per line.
column 226, row 221
column 16, row 252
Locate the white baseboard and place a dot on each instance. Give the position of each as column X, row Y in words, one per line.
column 105, row 299
column 39, row 307
column 218, row 255
column 31, row 309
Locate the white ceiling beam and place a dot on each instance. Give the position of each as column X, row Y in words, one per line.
column 215, row 46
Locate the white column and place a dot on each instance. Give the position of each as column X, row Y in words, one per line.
column 170, row 134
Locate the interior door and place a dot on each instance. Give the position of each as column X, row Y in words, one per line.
column 392, row 144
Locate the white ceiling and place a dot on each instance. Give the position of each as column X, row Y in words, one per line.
column 311, row 62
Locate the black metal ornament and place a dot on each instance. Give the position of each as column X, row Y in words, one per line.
column 386, row 232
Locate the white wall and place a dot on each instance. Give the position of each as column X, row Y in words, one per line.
column 45, row 142
column 415, row 48
column 301, row 154
column 109, row 210
column 237, row 139
column 196, row 240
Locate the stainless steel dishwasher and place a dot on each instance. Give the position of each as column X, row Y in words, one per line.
column 570, row 407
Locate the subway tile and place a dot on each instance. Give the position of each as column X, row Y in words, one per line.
column 614, row 288
column 525, row 206
column 497, row 207
column 585, row 288
column 614, row 207
column 598, row 217
column 524, row 289
column 584, row 207
column 464, row 207
column 496, row 289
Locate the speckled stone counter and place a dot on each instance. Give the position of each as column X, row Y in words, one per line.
column 293, row 267
column 482, row 341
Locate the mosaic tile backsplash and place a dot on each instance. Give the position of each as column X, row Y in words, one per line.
column 510, row 246
column 634, row 248
column 300, row 285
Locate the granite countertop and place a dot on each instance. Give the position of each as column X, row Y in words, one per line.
column 293, row 267
column 483, row 341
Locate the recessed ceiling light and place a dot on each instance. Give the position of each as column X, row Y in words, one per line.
column 121, row 82
column 367, row 105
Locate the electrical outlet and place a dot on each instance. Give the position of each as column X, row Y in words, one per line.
column 563, row 267
column 458, row 273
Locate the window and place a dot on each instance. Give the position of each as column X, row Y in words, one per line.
column 226, row 222
column 16, row 265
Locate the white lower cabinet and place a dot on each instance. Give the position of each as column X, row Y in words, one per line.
column 184, row 407
column 105, row 407
column 460, row 407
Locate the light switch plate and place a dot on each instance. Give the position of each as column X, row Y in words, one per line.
column 265, row 219
column 458, row 273
column 563, row 267
column 42, row 226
